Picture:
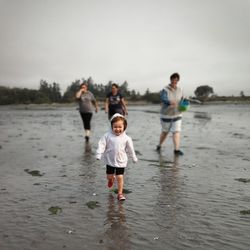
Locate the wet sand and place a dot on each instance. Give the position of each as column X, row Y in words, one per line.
column 53, row 192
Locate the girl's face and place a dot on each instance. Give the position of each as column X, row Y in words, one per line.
column 118, row 127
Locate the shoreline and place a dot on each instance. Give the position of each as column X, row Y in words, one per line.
column 51, row 106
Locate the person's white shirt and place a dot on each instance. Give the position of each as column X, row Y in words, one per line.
column 115, row 150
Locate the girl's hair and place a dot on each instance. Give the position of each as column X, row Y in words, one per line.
column 119, row 118
column 175, row 75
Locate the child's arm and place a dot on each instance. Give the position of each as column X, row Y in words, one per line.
column 130, row 150
column 101, row 148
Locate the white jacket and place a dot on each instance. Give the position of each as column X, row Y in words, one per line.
column 114, row 150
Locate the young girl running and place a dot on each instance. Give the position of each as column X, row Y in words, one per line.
column 115, row 147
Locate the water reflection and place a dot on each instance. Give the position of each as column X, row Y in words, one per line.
column 116, row 235
column 167, row 204
column 88, row 164
column 88, row 148
column 202, row 115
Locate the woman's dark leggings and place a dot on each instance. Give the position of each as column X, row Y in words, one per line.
column 86, row 118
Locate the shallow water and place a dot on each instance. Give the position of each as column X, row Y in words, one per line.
column 191, row 202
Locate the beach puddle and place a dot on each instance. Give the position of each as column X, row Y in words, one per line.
column 93, row 204
column 159, row 163
column 33, row 172
column 55, row 210
column 205, row 191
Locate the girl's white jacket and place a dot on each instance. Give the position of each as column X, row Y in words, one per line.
column 115, row 150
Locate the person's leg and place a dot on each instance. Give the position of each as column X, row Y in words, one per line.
column 120, row 183
column 164, row 132
column 176, row 140
column 111, row 113
column 110, row 171
column 111, row 179
column 163, row 136
column 87, row 119
column 84, row 119
column 176, row 129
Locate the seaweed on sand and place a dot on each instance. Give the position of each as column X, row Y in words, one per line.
column 55, row 210
column 33, row 172
column 245, row 212
column 243, row 180
column 93, row 204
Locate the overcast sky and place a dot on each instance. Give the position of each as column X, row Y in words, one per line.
column 141, row 41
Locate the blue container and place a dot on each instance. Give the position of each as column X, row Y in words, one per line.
column 184, row 105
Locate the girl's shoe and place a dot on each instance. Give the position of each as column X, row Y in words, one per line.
column 121, row 197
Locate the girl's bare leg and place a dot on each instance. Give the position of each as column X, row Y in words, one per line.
column 111, row 179
column 120, row 183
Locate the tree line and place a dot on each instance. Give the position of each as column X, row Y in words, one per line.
column 51, row 93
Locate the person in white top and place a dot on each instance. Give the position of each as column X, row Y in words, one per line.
column 114, row 148
column 171, row 116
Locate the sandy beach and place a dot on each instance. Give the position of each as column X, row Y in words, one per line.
column 54, row 195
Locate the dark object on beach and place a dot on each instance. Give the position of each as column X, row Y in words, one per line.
column 138, row 152
column 33, row 172
column 243, row 180
column 245, row 212
column 93, row 204
column 55, row 210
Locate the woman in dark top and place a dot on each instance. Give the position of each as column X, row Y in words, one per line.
column 115, row 102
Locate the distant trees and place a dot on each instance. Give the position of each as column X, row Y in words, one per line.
column 47, row 93
column 51, row 91
column 242, row 94
column 203, row 92
column 69, row 94
column 21, row 96
column 99, row 90
column 153, row 97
